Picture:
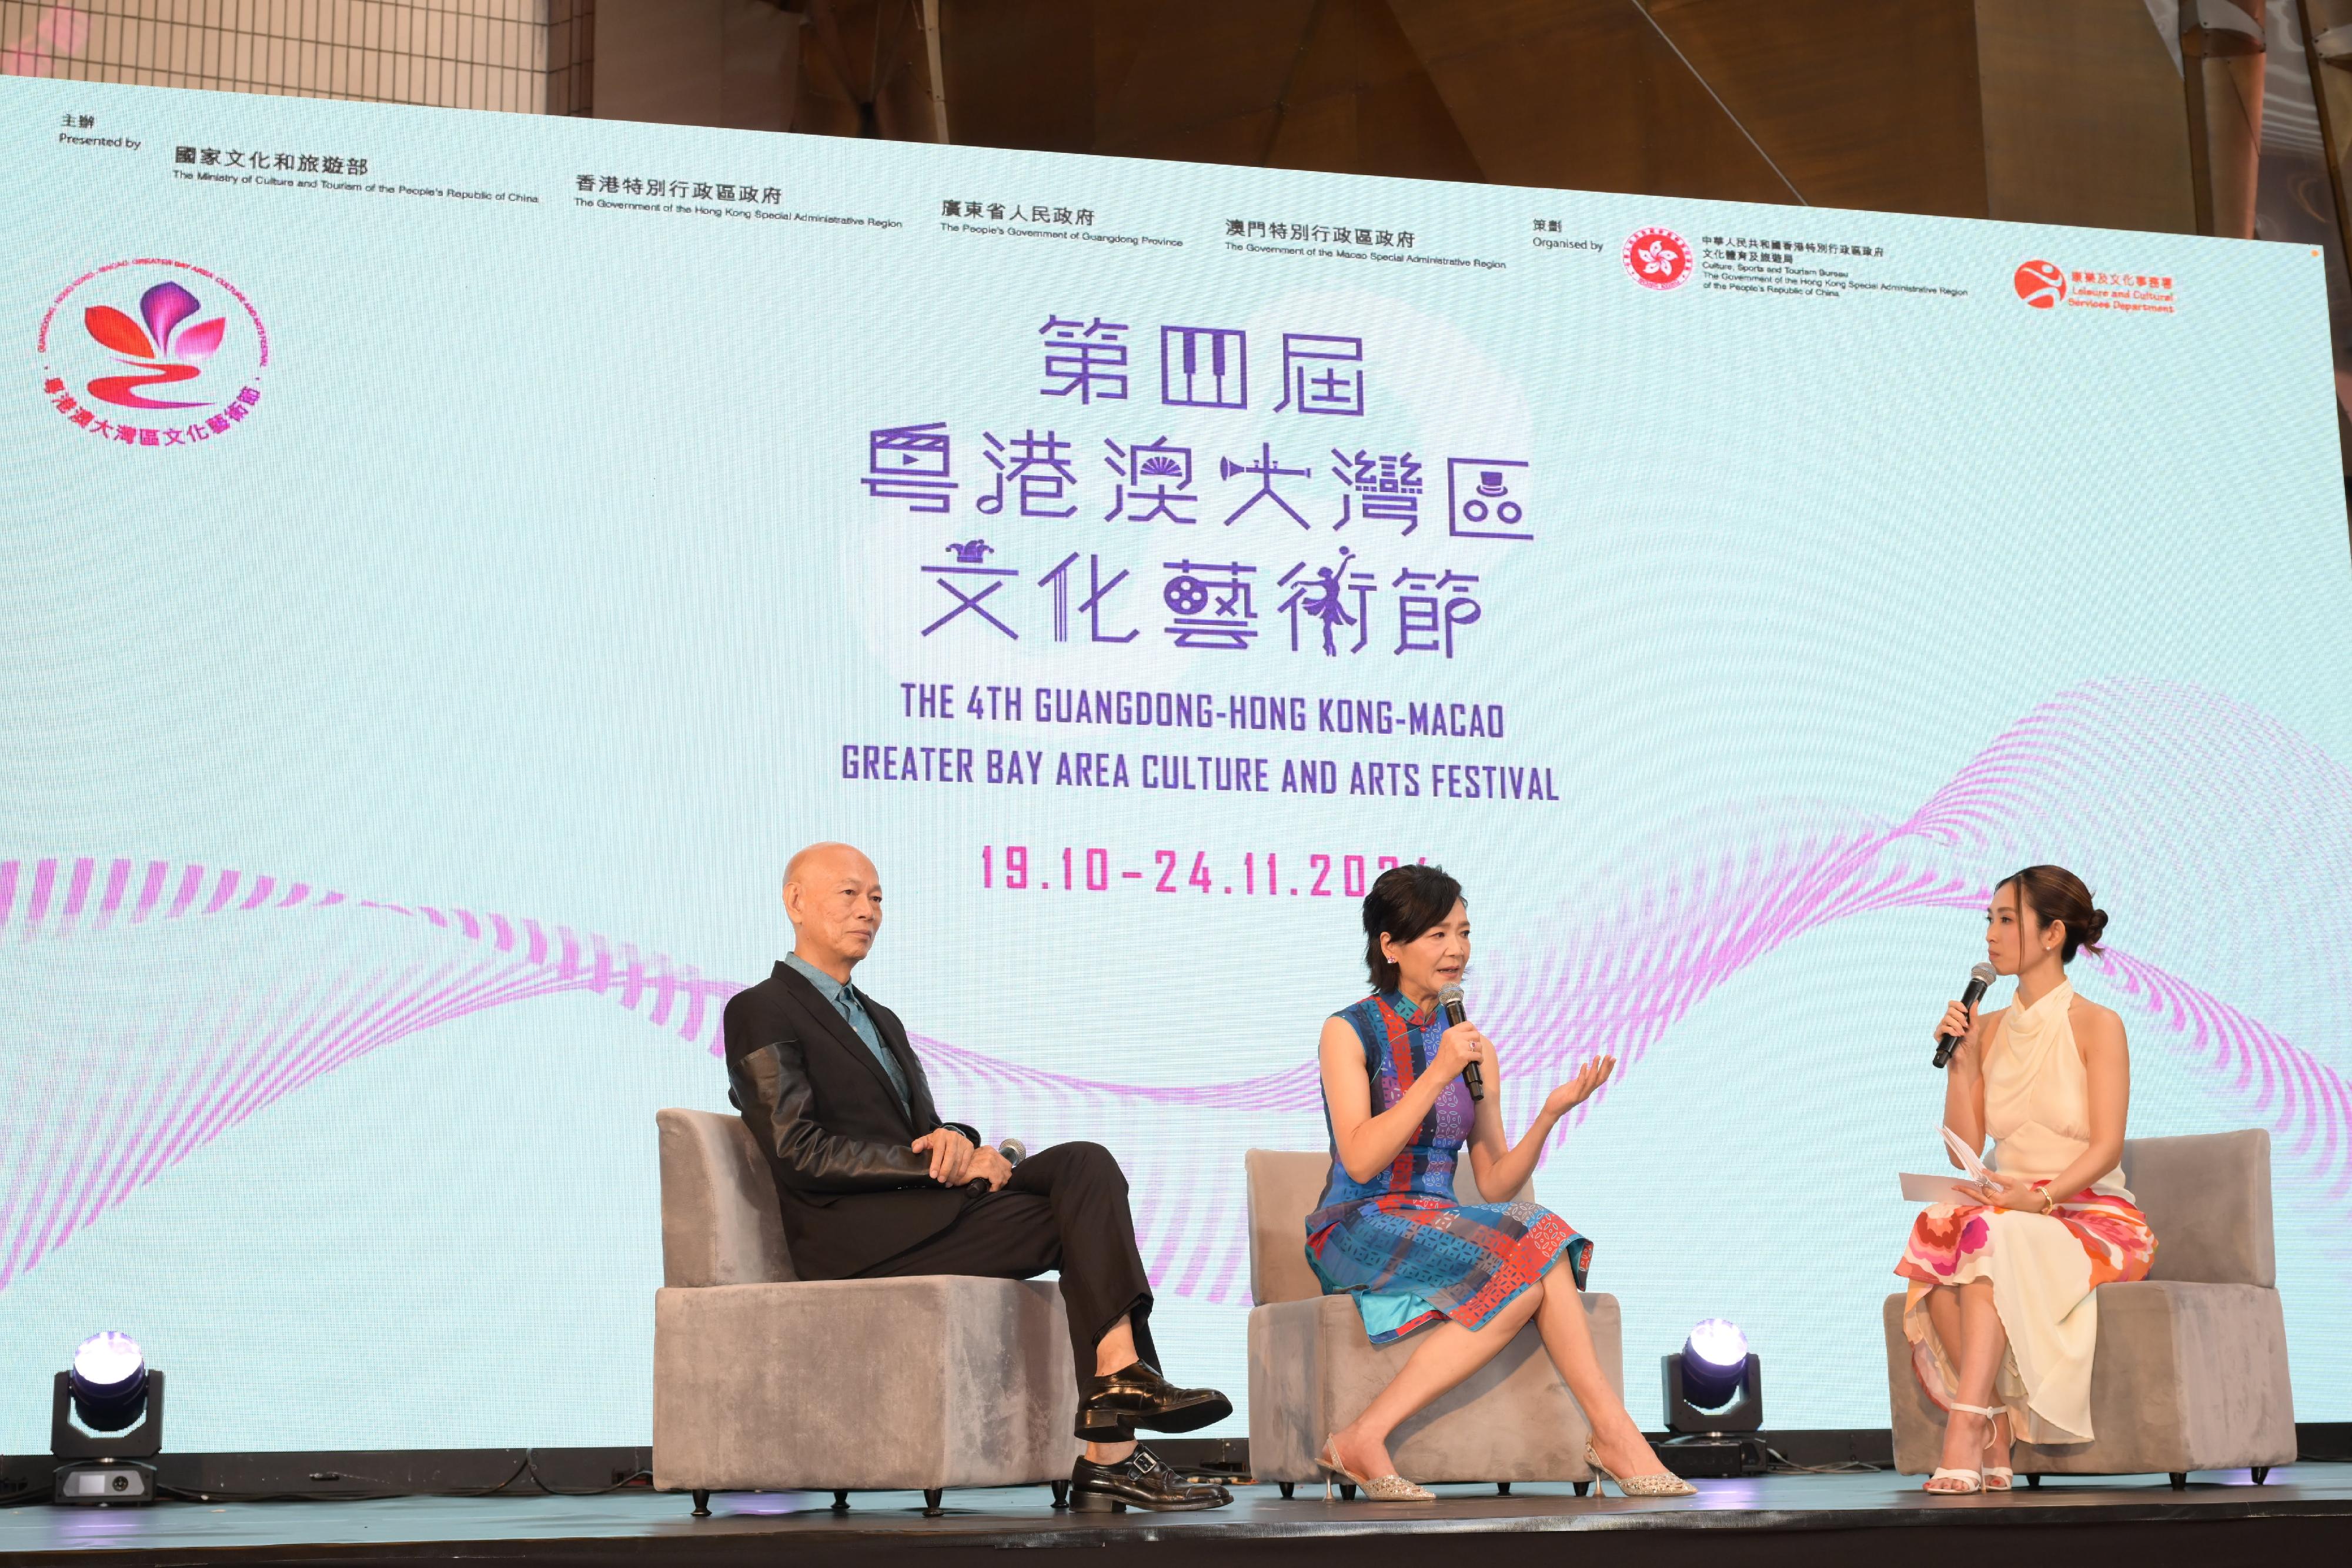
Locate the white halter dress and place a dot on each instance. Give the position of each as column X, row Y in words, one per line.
column 2046, row 1269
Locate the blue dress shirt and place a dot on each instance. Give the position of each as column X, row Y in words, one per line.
column 844, row 1000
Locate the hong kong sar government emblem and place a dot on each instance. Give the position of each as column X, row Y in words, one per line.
column 1658, row 259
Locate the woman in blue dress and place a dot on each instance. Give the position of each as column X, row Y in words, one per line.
column 1389, row 1232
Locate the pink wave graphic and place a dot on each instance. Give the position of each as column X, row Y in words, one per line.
column 2124, row 779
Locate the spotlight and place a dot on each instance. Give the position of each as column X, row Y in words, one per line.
column 106, row 1413
column 1714, row 1389
column 1715, row 1365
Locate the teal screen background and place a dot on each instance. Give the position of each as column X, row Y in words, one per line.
column 399, row 778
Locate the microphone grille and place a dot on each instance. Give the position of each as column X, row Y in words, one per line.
column 1449, row 996
column 1984, row 973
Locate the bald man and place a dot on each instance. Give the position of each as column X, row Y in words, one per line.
column 873, row 1184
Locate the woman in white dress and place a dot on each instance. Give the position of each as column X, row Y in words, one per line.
column 2000, row 1316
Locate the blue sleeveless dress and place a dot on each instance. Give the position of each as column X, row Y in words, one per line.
column 1401, row 1244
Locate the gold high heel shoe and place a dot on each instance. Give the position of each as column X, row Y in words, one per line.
column 1660, row 1483
column 1379, row 1488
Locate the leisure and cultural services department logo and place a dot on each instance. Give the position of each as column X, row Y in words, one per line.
column 153, row 352
column 2047, row 286
column 2041, row 284
column 1658, row 259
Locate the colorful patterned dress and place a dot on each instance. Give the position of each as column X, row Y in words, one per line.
column 2043, row 1267
column 1401, row 1244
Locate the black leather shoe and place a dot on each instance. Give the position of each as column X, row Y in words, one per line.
column 1136, row 1395
column 1140, row 1480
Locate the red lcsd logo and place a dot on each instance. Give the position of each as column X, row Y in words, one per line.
column 1658, row 259
column 2041, row 284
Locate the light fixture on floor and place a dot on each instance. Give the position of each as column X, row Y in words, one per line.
column 106, row 1414
column 1714, row 1391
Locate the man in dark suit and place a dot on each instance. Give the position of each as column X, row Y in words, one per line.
column 872, row 1183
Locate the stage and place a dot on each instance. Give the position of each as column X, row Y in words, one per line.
column 2221, row 1518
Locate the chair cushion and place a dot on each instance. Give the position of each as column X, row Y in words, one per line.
column 2188, row 1377
column 721, row 1225
column 1312, row 1370
column 931, row 1379
column 1283, row 1189
column 2207, row 1198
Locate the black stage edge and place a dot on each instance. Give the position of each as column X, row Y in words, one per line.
column 1849, row 1520
column 366, row 1473
column 538, row 1471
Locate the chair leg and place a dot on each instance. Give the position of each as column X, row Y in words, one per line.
column 2262, row 1473
column 701, row 1503
column 1583, row 1488
column 1348, row 1490
column 1502, row 1488
column 1062, row 1494
column 840, row 1500
column 932, row 1495
column 2033, row 1482
column 1289, row 1489
column 2180, row 1481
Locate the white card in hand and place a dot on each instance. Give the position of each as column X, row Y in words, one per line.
column 1967, row 1156
column 1919, row 1188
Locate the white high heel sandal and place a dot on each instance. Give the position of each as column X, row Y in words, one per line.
column 1977, row 1480
column 1998, row 1477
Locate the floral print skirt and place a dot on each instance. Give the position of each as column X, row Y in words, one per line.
column 2044, row 1270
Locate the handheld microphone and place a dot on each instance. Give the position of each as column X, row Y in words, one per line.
column 1450, row 999
column 1979, row 978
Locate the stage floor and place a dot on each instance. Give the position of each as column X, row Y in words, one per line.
column 1815, row 1520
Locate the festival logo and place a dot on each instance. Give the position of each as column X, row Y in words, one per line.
column 153, row 352
column 2041, row 284
column 1658, row 259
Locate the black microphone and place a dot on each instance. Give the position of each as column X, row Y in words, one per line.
column 1450, row 999
column 1983, row 975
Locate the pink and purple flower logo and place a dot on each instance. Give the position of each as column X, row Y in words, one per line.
column 134, row 344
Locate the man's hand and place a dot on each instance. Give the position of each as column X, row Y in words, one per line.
column 988, row 1162
column 952, row 1155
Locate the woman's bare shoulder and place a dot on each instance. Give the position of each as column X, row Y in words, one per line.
column 2094, row 1022
column 1339, row 1036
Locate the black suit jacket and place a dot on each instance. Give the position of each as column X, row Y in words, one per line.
column 853, row 1190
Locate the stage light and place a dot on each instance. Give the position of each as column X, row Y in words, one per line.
column 1714, row 1390
column 1714, row 1363
column 110, row 1382
column 106, row 1413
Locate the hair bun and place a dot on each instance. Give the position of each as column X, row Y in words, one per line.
column 2050, row 892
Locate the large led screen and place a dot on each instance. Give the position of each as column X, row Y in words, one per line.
column 454, row 559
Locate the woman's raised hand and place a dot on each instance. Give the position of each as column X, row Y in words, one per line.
column 1579, row 1089
column 1956, row 1022
column 1460, row 1046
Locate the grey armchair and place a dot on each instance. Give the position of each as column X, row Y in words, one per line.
column 2191, row 1372
column 765, row 1383
column 1312, row 1367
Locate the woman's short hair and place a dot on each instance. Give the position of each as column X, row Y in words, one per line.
column 2053, row 893
column 1404, row 903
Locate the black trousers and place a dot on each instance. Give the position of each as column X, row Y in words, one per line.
column 1065, row 1208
